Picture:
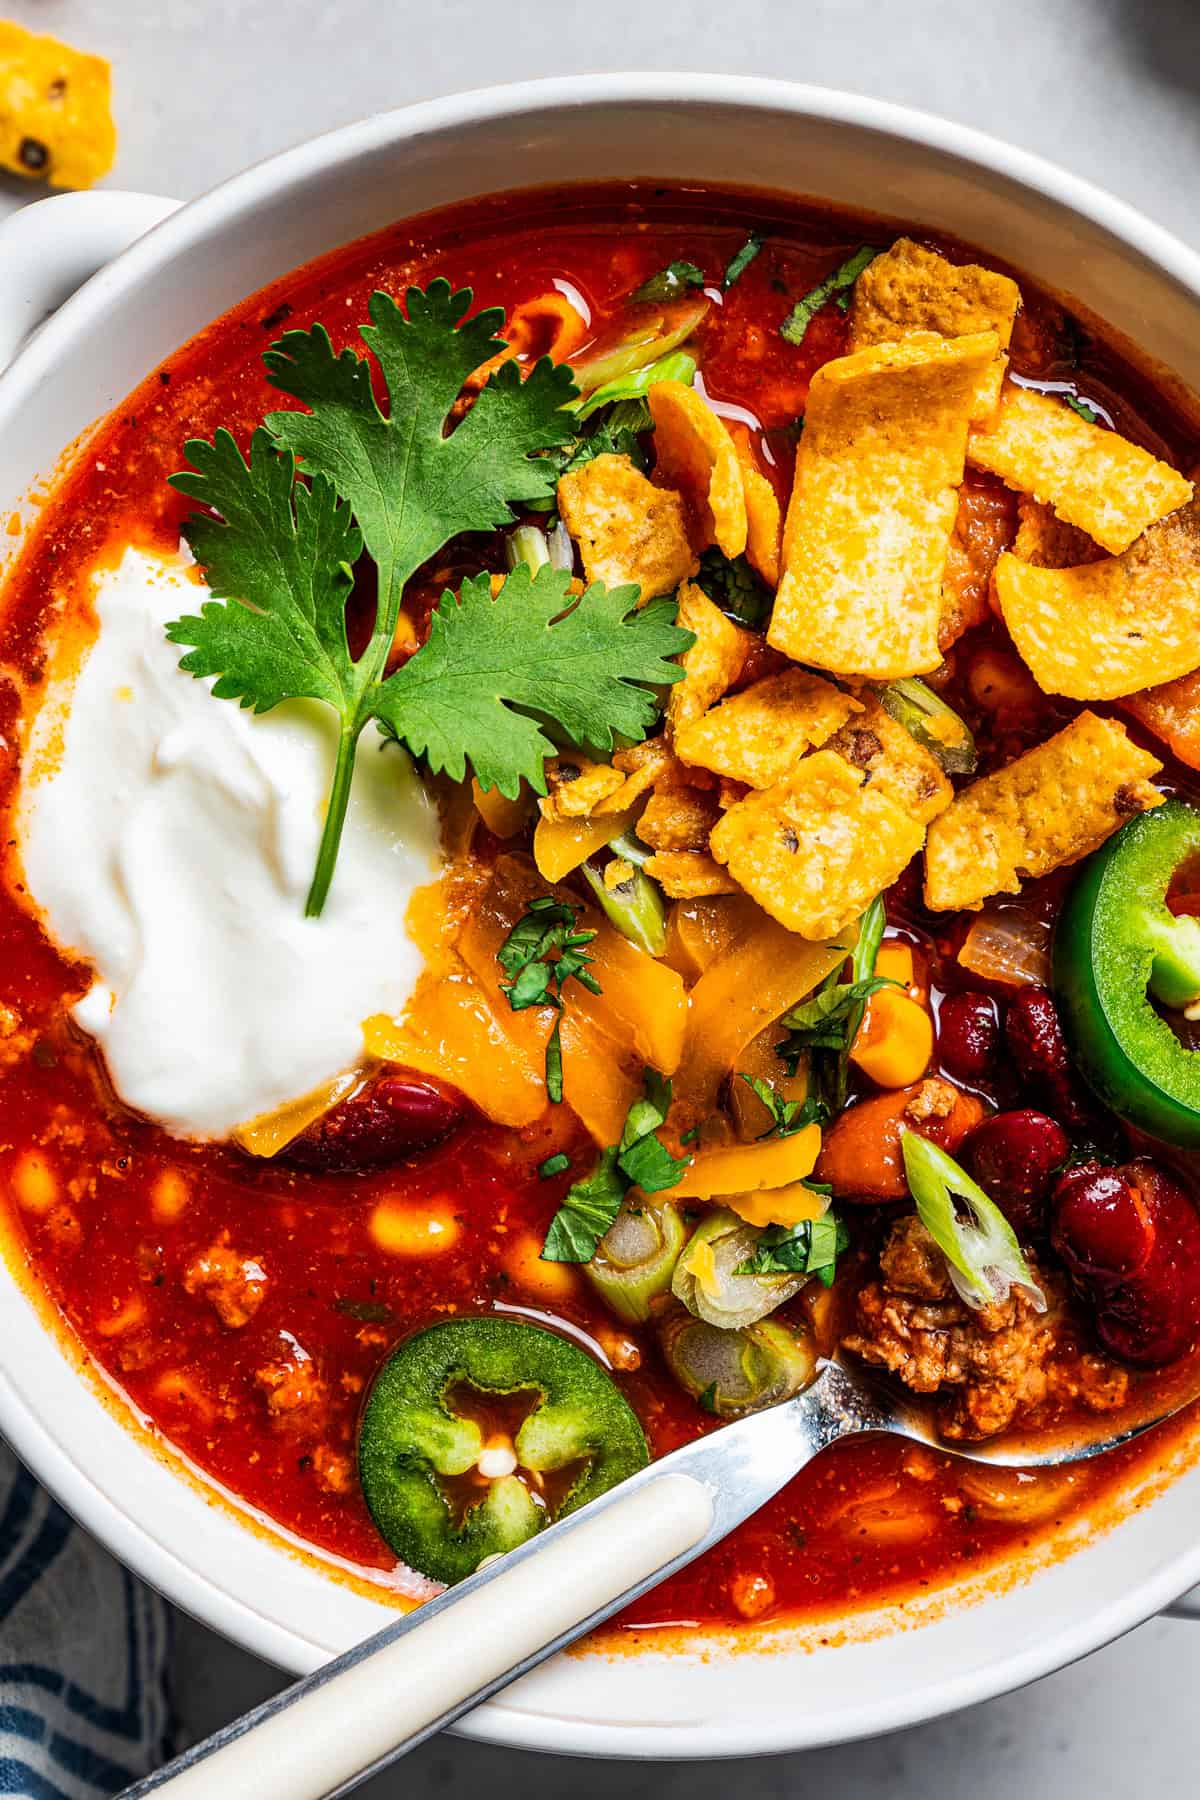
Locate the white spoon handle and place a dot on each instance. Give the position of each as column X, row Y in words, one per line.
column 449, row 1653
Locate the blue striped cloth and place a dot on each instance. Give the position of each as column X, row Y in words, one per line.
column 83, row 1655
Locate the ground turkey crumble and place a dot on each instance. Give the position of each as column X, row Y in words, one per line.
column 989, row 1366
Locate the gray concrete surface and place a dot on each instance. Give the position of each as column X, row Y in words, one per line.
column 1110, row 88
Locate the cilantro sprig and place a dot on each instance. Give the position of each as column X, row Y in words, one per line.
column 286, row 525
column 641, row 1160
column 544, row 950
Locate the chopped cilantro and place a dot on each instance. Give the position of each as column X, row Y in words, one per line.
column 787, row 1116
column 810, row 1248
column 278, row 555
column 826, row 1025
column 1087, row 413
column 735, row 587
column 839, row 283
column 639, row 1160
column 707, row 1400
column 541, row 952
column 617, row 435
column 554, row 1165
column 741, row 260
column 670, row 282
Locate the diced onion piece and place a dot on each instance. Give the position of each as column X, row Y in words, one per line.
column 1016, row 1496
column 636, row 1258
column 735, row 1372
column 270, row 1132
column 1009, row 945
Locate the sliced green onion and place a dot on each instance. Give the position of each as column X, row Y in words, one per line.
column 646, row 340
column 678, row 366
column 734, row 1372
column 636, row 1258
column 562, row 550
column 635, row 906
column 719, row 1293
column 631, row 849
column 669, row 283
column 527, row 544
column 931, row 723
column 983, row 1257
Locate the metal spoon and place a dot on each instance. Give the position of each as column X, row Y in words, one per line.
column 321, row 1737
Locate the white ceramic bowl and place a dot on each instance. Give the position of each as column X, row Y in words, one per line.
column 795, row 1690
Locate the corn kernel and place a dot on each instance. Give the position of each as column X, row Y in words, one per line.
column 549, row 1281
column 406, row 1228
column 124, row 1318
column 895, row 1041
column 169, row 1196
column 34, row 1182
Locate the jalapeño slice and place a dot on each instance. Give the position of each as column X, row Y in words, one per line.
column 415, row 1448
column 1123, row 964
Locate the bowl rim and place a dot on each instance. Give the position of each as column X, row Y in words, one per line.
column 35, row 1441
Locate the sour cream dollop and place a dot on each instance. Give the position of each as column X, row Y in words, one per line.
column 169, row 839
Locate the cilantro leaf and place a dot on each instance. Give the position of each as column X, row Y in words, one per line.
column 670, row 282
column 586, row 1213
column 540, row 953
column 411, row 485
column 491, row 670
column 639, row 1160
column 810, row 1248
column 741, row 260
column 795, row 326
column 281, row 553
column 787, row 1116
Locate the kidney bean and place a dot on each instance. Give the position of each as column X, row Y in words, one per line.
column 1039, row 1050
column 1131, row 1238
column 968, row 1035
column 1013, row 1156
column 396, row 1114
column 1103, row 1230
column 1035, row 1036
